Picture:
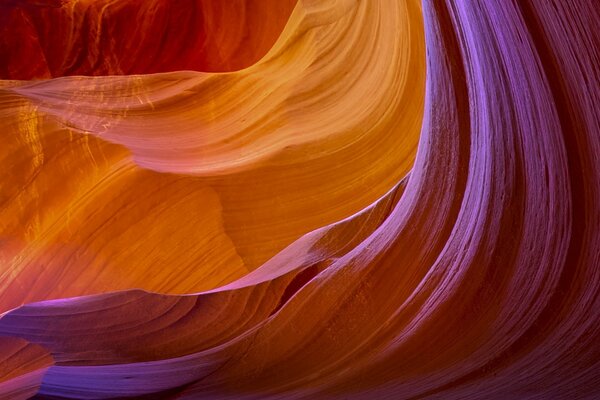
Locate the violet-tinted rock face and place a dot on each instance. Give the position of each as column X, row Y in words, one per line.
column 276, row 232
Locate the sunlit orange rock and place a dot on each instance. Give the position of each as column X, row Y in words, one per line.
column 183, row 181
column 275, row 232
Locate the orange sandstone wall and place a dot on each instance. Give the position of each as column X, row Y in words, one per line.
column 321, row 199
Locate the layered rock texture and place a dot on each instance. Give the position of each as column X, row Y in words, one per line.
column 311, row 199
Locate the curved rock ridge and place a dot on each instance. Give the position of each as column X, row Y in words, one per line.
column 22, row 367
column 473, row 274
column 185, row 181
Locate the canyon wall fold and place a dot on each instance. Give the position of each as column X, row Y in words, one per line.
column 381, row 199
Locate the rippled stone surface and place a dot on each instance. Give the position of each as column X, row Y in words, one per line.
column 339, row 199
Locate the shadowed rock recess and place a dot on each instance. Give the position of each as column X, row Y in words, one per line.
column 300, row 199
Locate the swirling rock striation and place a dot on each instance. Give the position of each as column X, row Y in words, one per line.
column 169, row 172
column 473, row 274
